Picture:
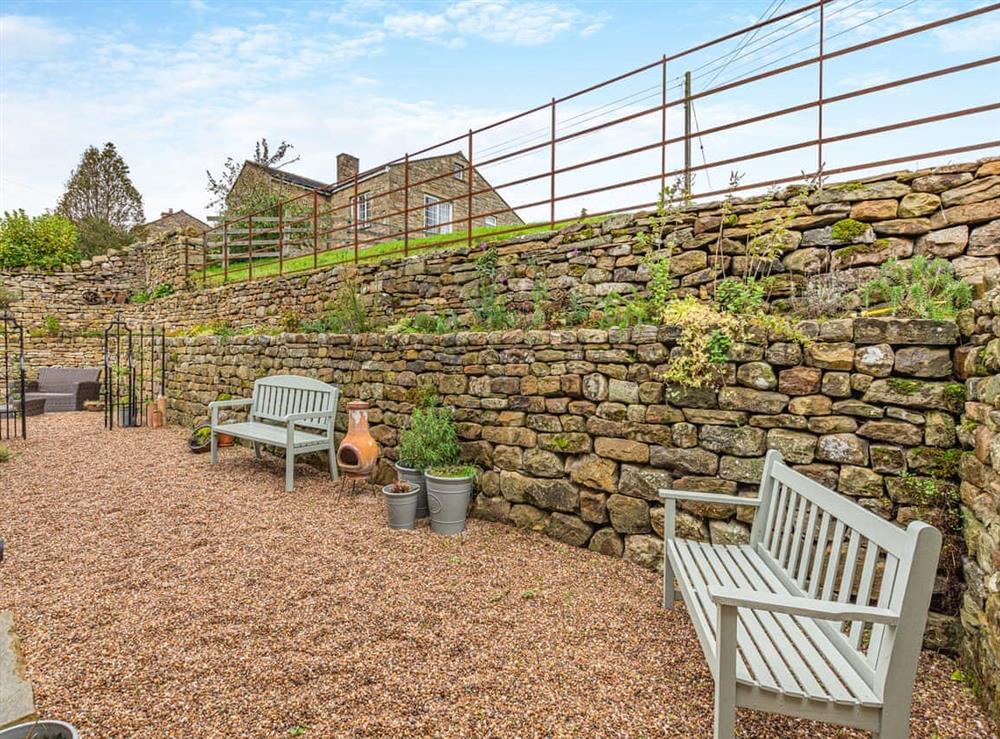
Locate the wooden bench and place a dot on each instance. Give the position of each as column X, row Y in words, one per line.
column 286, row 411
column 820, row 616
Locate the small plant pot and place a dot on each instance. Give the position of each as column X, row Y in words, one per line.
column 197, row 444
column 224, row 439
column 448, row 500
column 400, row 508
column 40, row 730
column 125, row 416
column 415, row 477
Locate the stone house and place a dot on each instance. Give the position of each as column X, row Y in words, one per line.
column 437, row 195
column 174, row 220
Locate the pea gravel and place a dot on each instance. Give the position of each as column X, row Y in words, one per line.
column 157, row 596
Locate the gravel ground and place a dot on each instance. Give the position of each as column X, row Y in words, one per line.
column 156, row 596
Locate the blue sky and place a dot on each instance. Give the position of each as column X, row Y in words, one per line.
column 179, row 85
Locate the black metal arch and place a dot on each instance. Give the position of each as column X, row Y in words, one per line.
column 13, row 387
column 135, row 365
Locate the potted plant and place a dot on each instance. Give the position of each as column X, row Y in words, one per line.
column 449, row 488
column 401, row 503
column 431, row 440
column 200, row 440
column 224, row 440
column 40, row 730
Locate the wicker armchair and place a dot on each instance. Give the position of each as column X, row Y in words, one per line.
column 65, row 388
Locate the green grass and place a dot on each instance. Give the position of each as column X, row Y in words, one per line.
column 271, row 266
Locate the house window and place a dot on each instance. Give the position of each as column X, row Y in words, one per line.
column 437, row 216
column 361, row 210
column 490, row 221
column 459, row 171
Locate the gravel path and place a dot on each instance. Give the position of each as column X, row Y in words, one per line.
column 158, row 597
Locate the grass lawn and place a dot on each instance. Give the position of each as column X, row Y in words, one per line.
column 271, row 266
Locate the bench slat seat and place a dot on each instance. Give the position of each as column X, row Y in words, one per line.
column 266, row 433
column 777, row 652
column 821, row 615
column 293, row 413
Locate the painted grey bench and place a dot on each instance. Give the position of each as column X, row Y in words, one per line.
column 286, row 411
column 787, row 622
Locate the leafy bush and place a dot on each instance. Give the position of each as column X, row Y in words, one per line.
column 431, row 440
column 452, row 470
column 46, row 241
column 160, row 291
column 918, row 288
column 96, row 236
column 7, row 297
column 428, row 323
column 740, row 296
column 347, row 315
column 491, row 311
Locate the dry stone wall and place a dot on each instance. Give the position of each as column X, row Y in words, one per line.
column 980, row 495
column 576, row 434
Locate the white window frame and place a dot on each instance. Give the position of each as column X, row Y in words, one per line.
column 361, row 209
column 437, row 215
column 458, row 171
column 490, row 221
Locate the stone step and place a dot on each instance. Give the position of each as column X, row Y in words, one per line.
column 17, row 701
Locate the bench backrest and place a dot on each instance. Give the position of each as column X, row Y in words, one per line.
column 65, row 378
column 279, row 395
column 830, row 548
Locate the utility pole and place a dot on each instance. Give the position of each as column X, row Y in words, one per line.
column 687, row 133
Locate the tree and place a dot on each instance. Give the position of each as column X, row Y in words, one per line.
column 48, row 240
column 100, row 189
column 255, row 192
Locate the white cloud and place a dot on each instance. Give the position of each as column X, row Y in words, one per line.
column 498, row 21
column 30, row 37
column 980, row 35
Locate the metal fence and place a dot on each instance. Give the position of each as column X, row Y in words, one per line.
column 13, row 398
column 135, row 372
column 563, row 161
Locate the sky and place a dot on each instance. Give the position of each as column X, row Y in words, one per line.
column 179, row 85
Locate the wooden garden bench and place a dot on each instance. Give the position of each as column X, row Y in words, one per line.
column 787, row 623
column 293, row 413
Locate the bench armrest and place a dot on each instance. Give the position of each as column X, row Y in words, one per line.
column 31, row 386
column 215, row 405
column 670, row 498
column 295, row 417
column 797, row 606
column 87, row 391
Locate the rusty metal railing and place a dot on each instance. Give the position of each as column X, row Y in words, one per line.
column 328, row 226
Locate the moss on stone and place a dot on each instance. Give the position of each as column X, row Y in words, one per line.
column 955, row 391
column 903, row 387
column 848, row 230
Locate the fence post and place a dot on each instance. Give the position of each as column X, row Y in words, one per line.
column 552, row 168
column 281, row 240
column 204, row 238
column 819, row 121
column 204, row 262
column 663, row 126
column 356, row 210
column 315, row 230
column 249, row 248
column 468, row 237
column 225, row 251
column 406, row 205
column 687, row 134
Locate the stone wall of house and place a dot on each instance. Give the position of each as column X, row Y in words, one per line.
column 980, row 495
column 576, row 432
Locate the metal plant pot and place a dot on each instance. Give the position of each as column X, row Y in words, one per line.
column 401, row 508
column 448, row 500
column 126, row 416
column 414, row 477
column 40, row 730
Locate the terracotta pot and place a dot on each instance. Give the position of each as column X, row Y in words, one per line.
column 153, row 417
column 358, row 451
column 224, row 439
column 161, row 404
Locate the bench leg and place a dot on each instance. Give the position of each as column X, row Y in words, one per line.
column 333, row 458
column 215, row 448
column 289, row 470
column 256, row 449
column 725, row 674
column 668, row 581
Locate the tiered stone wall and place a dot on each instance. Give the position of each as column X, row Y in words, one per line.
column 576, row 433
column 980, row 493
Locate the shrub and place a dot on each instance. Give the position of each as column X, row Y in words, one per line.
column 428, row 323
column 347, row 315
column 739, row 296
column 7, row 297
column 431, row 440
column 96, row 236
column 918, row 288
column 46, row 241
column 491, row 311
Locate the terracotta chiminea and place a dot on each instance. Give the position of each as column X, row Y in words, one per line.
column 358, row 451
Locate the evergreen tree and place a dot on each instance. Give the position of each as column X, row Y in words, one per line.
column 100, row 190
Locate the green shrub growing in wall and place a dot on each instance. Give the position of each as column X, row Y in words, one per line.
column 46, row 241
column 918, row 288
column 848, row 230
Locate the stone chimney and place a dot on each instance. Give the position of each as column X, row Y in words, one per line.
column 347, row 167
column 167, row 212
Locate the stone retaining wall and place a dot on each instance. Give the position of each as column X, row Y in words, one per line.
column 980, row 494
column 576, row 433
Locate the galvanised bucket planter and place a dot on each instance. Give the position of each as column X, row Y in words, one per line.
column 40, row 730
column 416, row 477
column 401, row 508
column 448, row 501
